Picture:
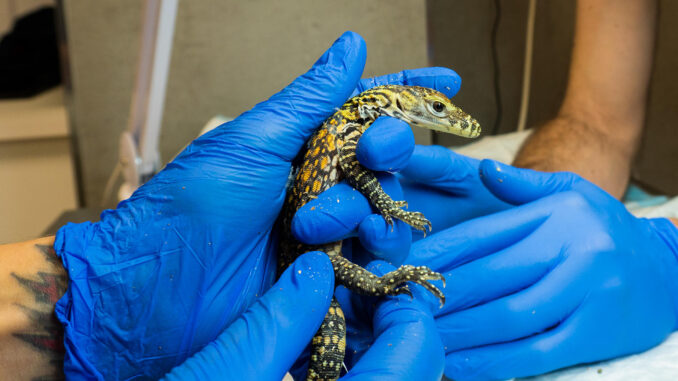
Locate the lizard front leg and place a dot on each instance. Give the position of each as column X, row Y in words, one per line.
column 366, row 182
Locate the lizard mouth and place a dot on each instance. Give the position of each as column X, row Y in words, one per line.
column 457, row 122
column 465, row 126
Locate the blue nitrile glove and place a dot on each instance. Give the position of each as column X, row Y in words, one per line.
column 446, row 187
column 342, row 212
column 434, row 180
column 161, row 276
column 390, row 338
column 264, row 342
column 568, row 277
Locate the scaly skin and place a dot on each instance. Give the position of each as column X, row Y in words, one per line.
column 331, row 157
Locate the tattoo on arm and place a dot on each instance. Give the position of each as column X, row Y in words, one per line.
column 46, row 336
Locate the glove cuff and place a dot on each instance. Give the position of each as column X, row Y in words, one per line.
column 74, row 309
column 667, row 231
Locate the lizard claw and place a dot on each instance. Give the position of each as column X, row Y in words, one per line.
column 393, row 283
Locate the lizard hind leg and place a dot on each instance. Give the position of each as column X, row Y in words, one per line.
column 328, row 346
column 361, row 281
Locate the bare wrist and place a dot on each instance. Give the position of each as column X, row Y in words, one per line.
column 573, row 144
column 32, row 279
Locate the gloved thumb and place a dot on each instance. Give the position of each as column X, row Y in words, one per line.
column 266, row 340
column 519, row 186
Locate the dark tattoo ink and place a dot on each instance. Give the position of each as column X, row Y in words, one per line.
column 46, row 288
column 49, row 253
column 47, row 333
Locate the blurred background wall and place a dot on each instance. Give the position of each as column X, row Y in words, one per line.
column 460, row 37
column 37, row 181
column 228, row 55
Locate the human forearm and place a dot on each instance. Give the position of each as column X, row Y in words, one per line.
column 32, row 279
column 598, row 127
column 569, row 144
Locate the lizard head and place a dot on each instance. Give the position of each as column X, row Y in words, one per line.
column 428, row 108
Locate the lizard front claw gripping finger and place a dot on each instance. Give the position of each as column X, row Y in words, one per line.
column 331, row 157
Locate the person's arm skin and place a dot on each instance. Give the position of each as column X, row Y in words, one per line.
column 32, row 279
column 597, row 130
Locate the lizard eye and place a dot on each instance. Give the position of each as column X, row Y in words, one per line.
column 438, row 109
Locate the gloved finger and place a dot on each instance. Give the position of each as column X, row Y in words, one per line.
column 542, row 353
column 498, row 275
column 479, row 237
column 516, row 316
column 264, row 342
column 407, row 345
column 383, row 241
column 440, row 168
column 386, row 146
column 519, row 186
column 445, row 80
column 289, row 117
column 337, row 212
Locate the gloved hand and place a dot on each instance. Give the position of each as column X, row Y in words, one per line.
column 264, row 342
column 568, row 277
column 434, row 180
column 446, row 187
column 161, row 276
column 391, row 338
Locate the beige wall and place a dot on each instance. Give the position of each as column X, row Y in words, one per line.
column 37, row 186
column 227, row 56
column 35, row 152
column 11, row 10
column 35, row 165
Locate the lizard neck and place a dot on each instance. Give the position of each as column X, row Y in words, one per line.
column 364, row 109
column 381, row 101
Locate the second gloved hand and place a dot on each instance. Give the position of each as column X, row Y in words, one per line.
column 267, row 338
column 569, row 277
column 446, row 187
column 263, row 343
column 389, row 338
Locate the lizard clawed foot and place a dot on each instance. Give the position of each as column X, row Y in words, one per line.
column 401, row 204
column 393, row 283
column 414, row 219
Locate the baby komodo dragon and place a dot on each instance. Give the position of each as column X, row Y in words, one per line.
column 331, row 157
